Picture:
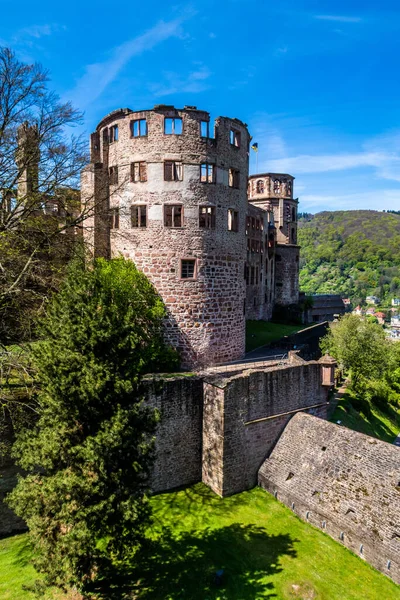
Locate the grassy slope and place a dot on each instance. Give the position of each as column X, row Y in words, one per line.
column 260, row 333
column 369, row 420
column 263, row 547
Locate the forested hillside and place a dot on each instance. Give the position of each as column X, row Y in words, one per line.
column 355, row 253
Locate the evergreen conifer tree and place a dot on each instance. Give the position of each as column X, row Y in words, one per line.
column 88, row 458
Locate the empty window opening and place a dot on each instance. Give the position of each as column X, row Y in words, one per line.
column 234, row 138
column 234, row 178
column 277, row 186
column 138, row 171
column 289, row 189
column 113, row 173
column 252, row 276
column 188, row 268
column 341, row 536
column 207, row 217
column 289, row 476
column 323, row 524
column 114, row 218
column 173, row 126
column 293, row 214
column 260, row 186
column 205, row 129
column 293, row 235
column 257, row 224
column 207, row 173
column 248, row 244
column 292, row 505
column 253, row 223
column 233, row 220
column 173, row 215
column 139, row 128
column 139, row 215
column 323, row 448
column 244, row 306
column 113, row 134
column 173, row 170
column 255, row 302
column 361, row 548
column 278, row 257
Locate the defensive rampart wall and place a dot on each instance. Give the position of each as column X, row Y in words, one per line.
column 342, row 481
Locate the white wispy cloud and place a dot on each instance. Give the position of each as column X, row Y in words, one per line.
column 386, row 164
column 99, row 76
column 339, row 18
column 381, row 153
column 38, row 31
column 195, row 82
column 389, row 199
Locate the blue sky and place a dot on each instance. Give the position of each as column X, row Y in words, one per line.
column 317, row 81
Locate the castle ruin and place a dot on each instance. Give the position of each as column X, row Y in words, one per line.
column 172, row 193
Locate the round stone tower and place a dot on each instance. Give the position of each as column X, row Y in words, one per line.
column 168, row 191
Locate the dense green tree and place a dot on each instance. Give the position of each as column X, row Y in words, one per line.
column 353, row 253
column 89, row 455
column 360, row 347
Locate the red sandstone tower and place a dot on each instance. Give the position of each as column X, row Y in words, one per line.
column 169, row 191
column 274, row 191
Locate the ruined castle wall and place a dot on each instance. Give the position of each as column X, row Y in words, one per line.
column 205, row 312
column 342, row 481
column 255, row 407
column 179, row 401
column 286, row 274
column 259, row 269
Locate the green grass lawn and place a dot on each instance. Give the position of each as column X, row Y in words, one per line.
column 260, row 333
column 264, row 549
column 367, row 419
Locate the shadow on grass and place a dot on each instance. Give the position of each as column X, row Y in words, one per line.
column 183, row 566
column 201, row 505
column 356, row 413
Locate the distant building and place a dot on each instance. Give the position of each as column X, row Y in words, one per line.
column 395, row 321
column 372, row 300
column 358, row 311
column 395, row 301
column 325, row 307
column 381, row 317
column 370, row 312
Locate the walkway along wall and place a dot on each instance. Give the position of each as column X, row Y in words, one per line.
column 342, row 481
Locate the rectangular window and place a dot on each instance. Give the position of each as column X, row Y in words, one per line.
column 252, row 276
column 234, row 138
column 139, row 215
column 188, row 268
column 139, row 128
column 233, row 220
column 173, row 171
column 138, row 171
column 114, row 218
column 173, row 126
column 234, row 178
column 204, row 129
column 113, row 134
column 207, row 173
column 207, row 217
column 113, row 173
column 173, row 215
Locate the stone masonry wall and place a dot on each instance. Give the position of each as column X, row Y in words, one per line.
column 179, row 431
column 206, row 321
column 342, row 481
column 252, row 410
column 286, row 274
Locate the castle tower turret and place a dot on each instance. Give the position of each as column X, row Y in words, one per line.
column 171, row 195
column 27, row 159
column 275, row 190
